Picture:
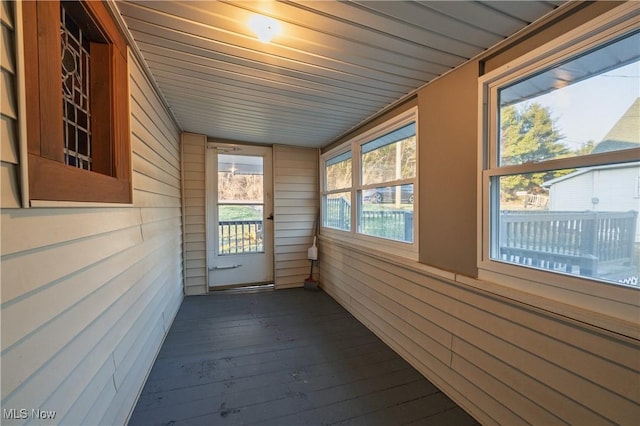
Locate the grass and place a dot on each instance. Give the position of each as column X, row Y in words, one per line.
column 239, row 213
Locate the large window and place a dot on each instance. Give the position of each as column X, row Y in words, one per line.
column 562, row 162
column 77, row 103
column 376, row 173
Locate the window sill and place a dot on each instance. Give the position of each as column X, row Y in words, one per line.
column 74, row 204
column 610, row 307
column 53, row 181
column 367, row 244
column 373, row 251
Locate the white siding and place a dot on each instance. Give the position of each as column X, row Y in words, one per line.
column 194, row 149
column 9, row 168
column 504, row 362
column 295, row 210
column 572, row 194
column 617, row 190
column 88, row 294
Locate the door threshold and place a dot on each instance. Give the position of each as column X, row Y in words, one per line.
column 252, row 288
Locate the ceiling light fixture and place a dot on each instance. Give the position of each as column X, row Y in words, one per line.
column 265, row 28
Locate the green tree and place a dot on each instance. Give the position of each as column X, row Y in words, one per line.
column 528, row 134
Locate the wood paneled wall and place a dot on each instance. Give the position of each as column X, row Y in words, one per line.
column 88, row 294
column 295, row 209
column 194, row 150
column 504, row 362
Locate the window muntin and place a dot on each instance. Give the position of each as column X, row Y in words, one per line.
column 552, row 205
column 76, row 88
column 382, row 183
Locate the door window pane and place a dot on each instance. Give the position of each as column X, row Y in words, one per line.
column 240, row 179
column 240, row 204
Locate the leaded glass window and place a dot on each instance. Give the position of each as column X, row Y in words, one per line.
column 76, row 92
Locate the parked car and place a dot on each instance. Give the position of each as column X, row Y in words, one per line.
column 387, row 194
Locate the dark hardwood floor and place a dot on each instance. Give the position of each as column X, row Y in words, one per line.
column 287, row 357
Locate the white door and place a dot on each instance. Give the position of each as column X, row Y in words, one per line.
column 239, row 215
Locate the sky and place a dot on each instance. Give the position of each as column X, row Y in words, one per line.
column 589, row 109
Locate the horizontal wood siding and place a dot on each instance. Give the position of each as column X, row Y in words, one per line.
column 295, row 210
column 89, row 293
column 504, row 362
column 194, row 149
column 9, row 157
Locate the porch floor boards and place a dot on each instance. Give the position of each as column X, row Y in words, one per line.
column 287, row 357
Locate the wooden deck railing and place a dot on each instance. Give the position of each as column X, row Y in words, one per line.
column 240, row 236
column 567, row 240
column 392, row 224
column 338, row 213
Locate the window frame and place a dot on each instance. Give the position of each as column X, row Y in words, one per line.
column 352, row 236
column 591, row 300
column 50, row 179
column 341, row 150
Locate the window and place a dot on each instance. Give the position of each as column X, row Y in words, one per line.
column 376, row 170
column 337, row 197
column 76, row 88
column 77, row 103
column 561, row 161
column 386, row 192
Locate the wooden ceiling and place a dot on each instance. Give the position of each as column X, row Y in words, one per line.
column 334, row 65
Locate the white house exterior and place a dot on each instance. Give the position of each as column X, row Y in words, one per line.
column 613, row 188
